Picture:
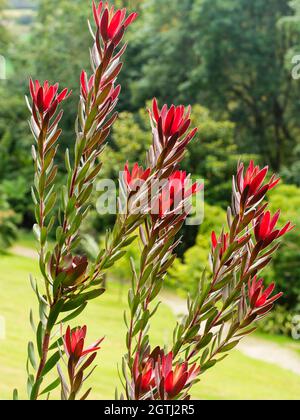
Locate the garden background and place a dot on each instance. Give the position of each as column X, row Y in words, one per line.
column 236, row 62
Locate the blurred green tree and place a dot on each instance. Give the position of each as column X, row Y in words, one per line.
column 4, row 37
column 230, row 55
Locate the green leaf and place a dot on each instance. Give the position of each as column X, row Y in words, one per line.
column 204, row 356
column 205, row 341
column 128, row 242
column 54, row 313
column 37, row 232
column 31, row 355
column 115, row 258
column 192, row 332
column 74, row 314
column 39, row 338
column 51, row 363
column 229, row 346
column 51, row 387
column 30, row 382
column 67, row 161
column 50, row 204
column 34, row 390
column 81, row 299
column 138, row 326
column 15, row 395
column 146, row 274
column 32, row 321
column 208, row 365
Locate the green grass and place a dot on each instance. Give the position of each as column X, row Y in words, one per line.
column 238, row 377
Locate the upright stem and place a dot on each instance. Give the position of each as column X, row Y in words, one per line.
column 43, row 360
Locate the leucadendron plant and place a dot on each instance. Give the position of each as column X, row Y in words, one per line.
column 231, row 296
column 69, row 281
column 154, row 203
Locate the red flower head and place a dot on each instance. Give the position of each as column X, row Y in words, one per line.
column 72, row 268
column 144, row 377
column 178, row 185
column 172, row 380
column 74, row 344
column 173, row 121
column 137, row 176
column 251, row 183
column 223, row 241
column 175, row 192
column 260, row 297
column 112, row 23
column 265, row 228
column 46, row 97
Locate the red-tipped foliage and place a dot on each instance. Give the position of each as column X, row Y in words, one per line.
column 112, row 23
column 175, row 192
column 265, row 228
column 74, row 342
column 160, row 376
column 252, row 184
column 46, row 97
column 137, row 176
column 259, row 297
column 173, row 121
column 223, row 242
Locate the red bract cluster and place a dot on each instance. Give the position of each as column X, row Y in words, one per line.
column 265, row 228
column 71, row 271
column 223, row 241
column 112, row 23
column 251, row 183
column 259, row 297
column 170, row 134
column 137, row 176
column 175, row 120
column 74, row 342
column 179, row 186
column 79, row 360
column 162, row 379
column 254, row 178
column 45, row 97
column 174, row 195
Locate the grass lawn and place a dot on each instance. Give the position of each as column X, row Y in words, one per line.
column 238, row 377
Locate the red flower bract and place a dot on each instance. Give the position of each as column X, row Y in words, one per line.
column 175, row 120
column 74, row 343
column 265, row 228
column 137, row 176
column 163, row 377
column 259, row 297
column 111, row 22
column 46, row 97
column 223, row 241
column 254, row 177
column 73, row 268
column 176, row 191
column 252, row 186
